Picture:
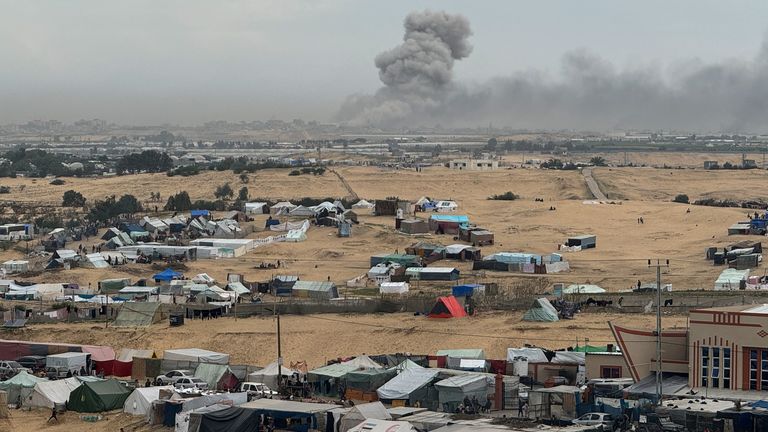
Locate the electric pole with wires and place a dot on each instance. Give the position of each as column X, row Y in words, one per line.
column 659, row 264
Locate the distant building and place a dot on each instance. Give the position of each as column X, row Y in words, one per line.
column 474, row 164
column 711, row 165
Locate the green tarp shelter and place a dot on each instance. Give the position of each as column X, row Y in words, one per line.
column 98, row 396
column 218, row 377
column 20, row 386
column 541, row 310
column 369, row 380
column 137, row 314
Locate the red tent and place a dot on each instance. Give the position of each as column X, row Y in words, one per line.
column 447, row 307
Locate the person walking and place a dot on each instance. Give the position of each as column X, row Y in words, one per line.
column 53, row 416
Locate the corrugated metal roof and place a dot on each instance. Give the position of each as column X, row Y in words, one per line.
column 313, row 286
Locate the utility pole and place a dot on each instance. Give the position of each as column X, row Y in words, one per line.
column 658, row 266
column 279, row 355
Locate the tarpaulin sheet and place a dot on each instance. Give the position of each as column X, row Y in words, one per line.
column 407, row 382
column 233, row 419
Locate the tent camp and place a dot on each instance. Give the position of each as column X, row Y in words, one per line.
column 268, row 375
column 218, row 377
column 20, row 387
column 453, row 390
column 301, row 211
column 411, row 385
column 361, row 413
column 375, row 425
column 541, row 310
column 362, row 204
column 447, row 307
column 327, row 378
column 98, row 396
column 196, row 355
column 47, row 393
column 140, row 400
column 167, row 275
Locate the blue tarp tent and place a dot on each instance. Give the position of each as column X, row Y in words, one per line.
column 200, row 213
column 464, row 290
column 167, row 275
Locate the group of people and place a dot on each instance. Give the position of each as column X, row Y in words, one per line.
column 473, row 406
column 640, row 220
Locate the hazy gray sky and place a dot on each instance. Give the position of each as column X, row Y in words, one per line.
column 190, row 61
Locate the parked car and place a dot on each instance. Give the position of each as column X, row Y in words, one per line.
column 172, row 376
column 257, row 390
column 57, row 372
column 9, row 368
column 555, row 381
column 191, row 383
column 595, row 419
column 33, row 362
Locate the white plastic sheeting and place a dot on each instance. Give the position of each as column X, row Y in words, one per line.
column 139, row 402
column 47, row 393
column 394, row 288
column 196, row 355
column 405, row 383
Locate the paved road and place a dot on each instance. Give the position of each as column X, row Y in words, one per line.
column 594, row 188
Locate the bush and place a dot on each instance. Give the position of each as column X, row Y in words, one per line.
column 681, row 198
column 506, row 196
column 72, row 198
column 294, row 173
column 184, row 171
column 5, row 189
column 57, row 182
column 224, row 191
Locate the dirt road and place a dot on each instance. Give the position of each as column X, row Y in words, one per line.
column 594, row 188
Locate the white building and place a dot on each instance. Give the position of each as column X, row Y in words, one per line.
column 474, row 164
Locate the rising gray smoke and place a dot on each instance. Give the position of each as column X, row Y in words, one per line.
column 589, row 95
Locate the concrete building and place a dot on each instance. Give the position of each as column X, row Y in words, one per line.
column 728, row 348
column 474, row 164
column 723, row 352
column 605, row 365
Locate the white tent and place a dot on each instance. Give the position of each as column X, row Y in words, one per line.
column 139, row 402
column 363, row 362
column 203, row 278
column 374, row 425
column 268, row 375
column 47, row 393
column 360, row 413
column 406, row 383
column 393, row 288
column 196, row 355
column 362, row 204
column 281, row 207
column 255, row 207
column 302, row 212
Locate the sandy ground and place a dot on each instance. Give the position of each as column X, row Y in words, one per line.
column 318, row 338
column 522, row 225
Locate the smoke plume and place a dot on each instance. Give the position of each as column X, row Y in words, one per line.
column 589, row 93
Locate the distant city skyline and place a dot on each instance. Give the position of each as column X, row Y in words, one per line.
column 189, row 62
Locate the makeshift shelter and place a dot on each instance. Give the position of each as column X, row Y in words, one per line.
column 124, row 360
column 368, row 380
column 113, row 285
column 102, row 358
column 282, row 207
column 46, row 394
column 167, row 275
column 255, row 208
column 268, row 375
column 362, row 362
column 433, row 273
column 453, row 390
column 394, row 288
column 327, row 378
column 301, row 211
column 361, row 413
column 138, row 314
column 234, row 419
column 203, row 278
column 541, row 310
column 218, row 376
column 196, row 355
column 139, row 402
column 20, row 387
column 315, row 290
column 98, row 396
column 583, row 289
column 411, row 385
column 414, row 226
column 362, row 204
column 447, row 307
column 291, row 415
column 376, row 425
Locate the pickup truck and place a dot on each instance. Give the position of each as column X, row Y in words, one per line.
column 257, row 390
